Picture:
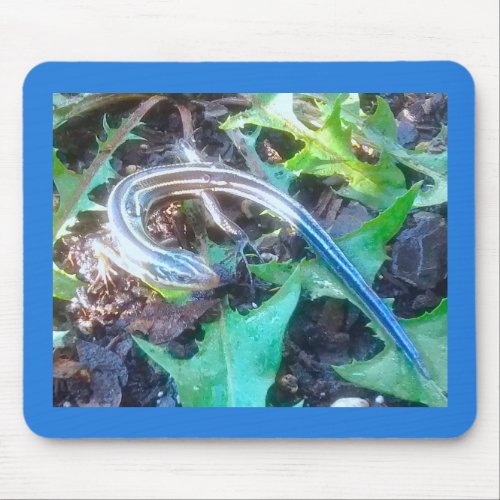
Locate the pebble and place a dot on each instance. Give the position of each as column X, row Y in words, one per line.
column 407, row 134
column 289, row 383
column 380, row 400
column 130, row 169
column 268, row 257
column 349, row 219
column 350, row 403
column 419, row 253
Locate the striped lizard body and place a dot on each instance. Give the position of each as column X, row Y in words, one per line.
column 139, row 254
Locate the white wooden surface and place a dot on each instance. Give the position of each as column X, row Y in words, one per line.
column 33, row 31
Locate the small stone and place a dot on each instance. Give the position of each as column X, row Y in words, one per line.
column 350, row 403
column 123, row 347
column 380, row 399
column 130, row 169
column 419, row 253
column 332, row 316
column 407, row 134
column 268, row 257
column 289, row 383
column 437, row 145
column 349, row 219
column 426, row 300
column 67, row 404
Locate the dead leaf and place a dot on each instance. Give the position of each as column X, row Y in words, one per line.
column 107, row 371
column 164, row 321
column 106, row 389
column 65, row 368
column 187, row 120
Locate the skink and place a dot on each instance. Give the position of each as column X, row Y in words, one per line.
column 140, row 255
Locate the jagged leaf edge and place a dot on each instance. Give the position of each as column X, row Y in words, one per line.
column 100, row 169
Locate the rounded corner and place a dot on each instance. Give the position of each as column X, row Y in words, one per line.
column 462, row 73
column 465, row 425
column 36, row 72
column 34, row 425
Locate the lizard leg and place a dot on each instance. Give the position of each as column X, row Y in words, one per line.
column 106, row 256
column 230, row 228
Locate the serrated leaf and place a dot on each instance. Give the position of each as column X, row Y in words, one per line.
column 391, row 372
column 115, row 135
column 313, row 109
column 378, row 130
column 434, row 166
column 74, row 189
column 350, row 103
column 64, row 285
column 326, row 151
column 277, row 175
column 268, row 110
column 383, row 121
column 239, row 357
column 365, row 248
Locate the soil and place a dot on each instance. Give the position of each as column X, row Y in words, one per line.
column 101, row 365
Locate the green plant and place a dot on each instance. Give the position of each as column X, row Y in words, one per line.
column 239, row 357
column 327, row 150
column 74, row 189
column 365, row 247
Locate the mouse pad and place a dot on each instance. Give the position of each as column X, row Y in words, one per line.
column 249, row 250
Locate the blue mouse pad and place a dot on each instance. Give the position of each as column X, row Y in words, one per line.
column 249, row 250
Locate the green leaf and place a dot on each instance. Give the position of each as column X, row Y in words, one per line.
column 391, row 372
column 313, row 109
column 175, row 296
column 223, row 254
column 116, row 135
column 379, row 131
column 277, row 175
column 74, row 189
column 239, row 357
column 365, row 248
column 64, row 285
column 326, row 151
column 268, row 110
column 383, row 121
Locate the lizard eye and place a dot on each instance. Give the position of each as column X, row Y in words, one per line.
column 160, row 273
column 182, row 278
